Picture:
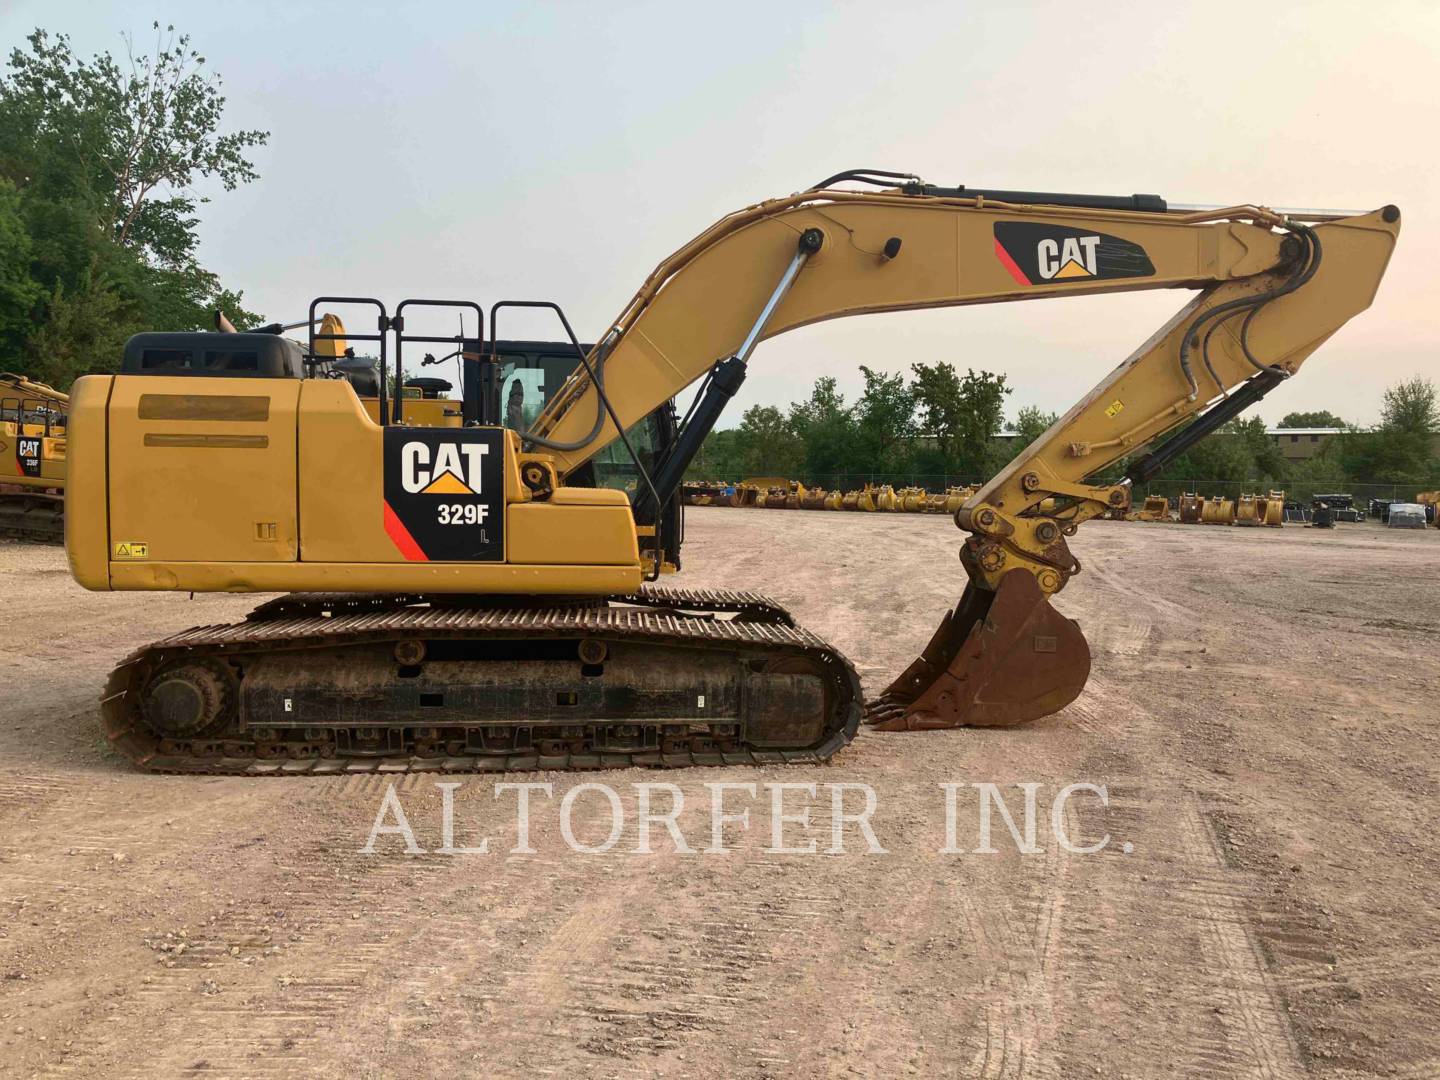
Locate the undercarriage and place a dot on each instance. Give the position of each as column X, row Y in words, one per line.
column 323, row 684
column 27, row 514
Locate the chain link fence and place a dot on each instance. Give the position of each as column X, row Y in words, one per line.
column 936, row 482
column 1304, row 492
column 1360, row 494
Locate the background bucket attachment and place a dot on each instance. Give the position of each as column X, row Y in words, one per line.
column 1000, row 658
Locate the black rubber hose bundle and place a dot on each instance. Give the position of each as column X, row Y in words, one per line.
column 1249, row 306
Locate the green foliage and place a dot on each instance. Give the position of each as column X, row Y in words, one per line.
column 935, row 427
column 825, row 428
column 1222, row 456
column 941, row 424
column 1402, row 449
column 885, row 420
column 1267, row 462
column 1411, row 407
column 962, row 415
column 79, row 327
column 99, row 166
column 1030, row 423
column 1319, row 471
column 769, row 442
column 1322, row 418
column 19, row 292
column 719, row 457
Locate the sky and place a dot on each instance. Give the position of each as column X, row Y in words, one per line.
column 559, row 151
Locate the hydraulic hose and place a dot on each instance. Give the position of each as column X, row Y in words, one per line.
column 1307, row 265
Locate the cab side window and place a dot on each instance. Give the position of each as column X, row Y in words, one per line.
column 522, row 396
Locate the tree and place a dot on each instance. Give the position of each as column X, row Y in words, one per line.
column 1267, row 463
column 1239, row 455
column 961, row 414
column 1321, row 471
column 141, row 135
column 718, row 457
column 826, row 429
column 100, row 162
column 1321, row 418
column 1219, row 456
column 1402, row 449
column 19, row 292
column 937, row 393
column 1030, row 423
column 80, row 326
column 1411, row 407
column 767, row 444
column 884, row 420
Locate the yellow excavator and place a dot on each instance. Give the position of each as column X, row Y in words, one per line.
column 468, row 595
column 33, row 419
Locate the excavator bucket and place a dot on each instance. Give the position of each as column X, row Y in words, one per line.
column 999, row 659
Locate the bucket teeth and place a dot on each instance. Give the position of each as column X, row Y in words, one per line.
column 1000, row 658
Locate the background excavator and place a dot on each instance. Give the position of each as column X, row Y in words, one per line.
column 33, row 420
column 463, row 595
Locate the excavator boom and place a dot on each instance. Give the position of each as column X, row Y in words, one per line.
column 1271, row 289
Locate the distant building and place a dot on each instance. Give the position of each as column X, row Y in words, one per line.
column 1301, row 443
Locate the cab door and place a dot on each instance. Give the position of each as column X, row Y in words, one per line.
column 203, row 469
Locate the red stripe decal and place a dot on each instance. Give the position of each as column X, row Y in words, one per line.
column 1009, row 263
column 400, row 536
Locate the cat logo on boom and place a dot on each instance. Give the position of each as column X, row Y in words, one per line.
column 1072, row 257
column 1035, row 253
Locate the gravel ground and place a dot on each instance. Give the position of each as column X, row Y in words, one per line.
column 1262, row 714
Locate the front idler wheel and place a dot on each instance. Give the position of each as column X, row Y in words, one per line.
column 188, row 698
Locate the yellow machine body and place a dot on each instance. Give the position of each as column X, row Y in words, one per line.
column 33, row 447
column 420, row 412
column 222, row 485
column 49, row 455
column 32, row 433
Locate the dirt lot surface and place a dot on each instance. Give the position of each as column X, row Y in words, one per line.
column 1263, row 712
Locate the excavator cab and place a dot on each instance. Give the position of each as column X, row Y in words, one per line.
column 509, row 383
column 522, row 379
column 30, row 410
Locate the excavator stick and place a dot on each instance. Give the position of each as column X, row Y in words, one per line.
column 999, row 659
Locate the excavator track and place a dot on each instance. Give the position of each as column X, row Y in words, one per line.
column 317, row 684
column 744, row 605
column 32, row 516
